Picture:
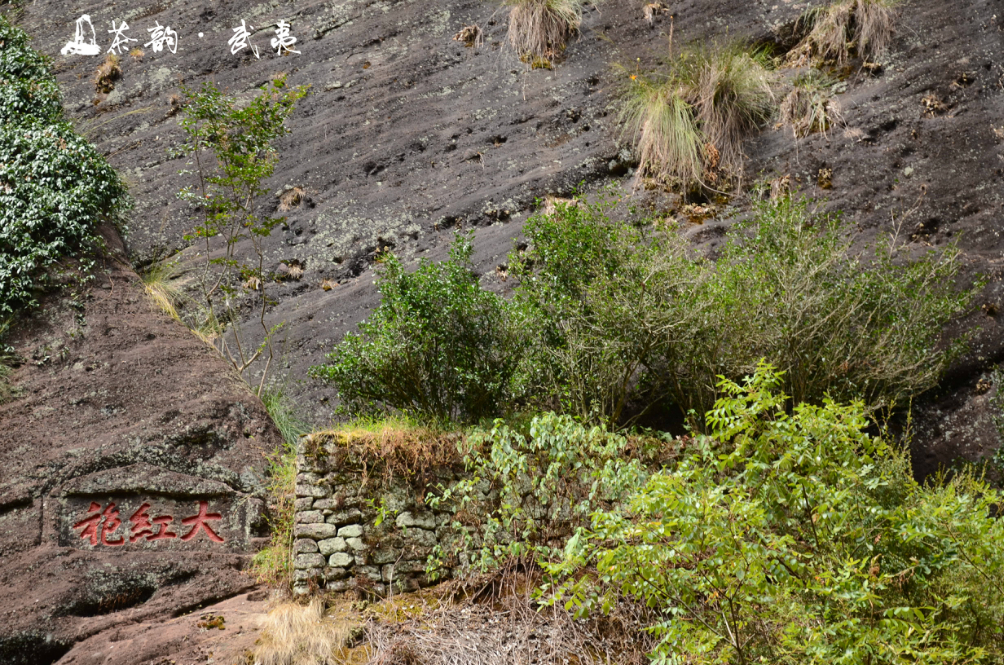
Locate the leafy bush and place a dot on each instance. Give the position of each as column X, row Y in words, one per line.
column 798, row 539
column 689, row 120
column 438, row 345
column 54, row 186
column 609, row 302
column 788, row 287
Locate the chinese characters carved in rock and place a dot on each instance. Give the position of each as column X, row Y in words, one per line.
column 102, row 526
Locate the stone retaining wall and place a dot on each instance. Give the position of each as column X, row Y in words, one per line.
column 355, row 528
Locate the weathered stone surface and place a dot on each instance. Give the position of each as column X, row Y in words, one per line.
column 351, row 531
column 335, row 574
column 343, row 517
column 309, row 517
column 303, row 503
column 331, row 545
column 421, row 537
column 340, row 560
column 371, row 572
column 356, row 544
column 305, row 546
column 384, row 555
column 310, row 491
column 422, row 520
column 387, row 572
column 315, row 531
column 307, row 561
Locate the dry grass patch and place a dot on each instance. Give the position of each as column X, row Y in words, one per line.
column 291, row 198
column 294, row 634
column 540, row 29
column 470, row 36
column 389, row 448
column 163, row 283
column 810, row 106
column 688, row 122
column 107, row 73
column 844, row 29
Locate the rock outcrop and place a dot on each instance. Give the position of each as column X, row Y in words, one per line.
column 133, row 471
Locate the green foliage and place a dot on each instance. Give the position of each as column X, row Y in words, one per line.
column 788, row 287
column 438, row 346
column 623, row 314
column 526, row 492
column 609, row 302
column 283, row 414
column 797, row 538
column 232, row 146
column 54, row 186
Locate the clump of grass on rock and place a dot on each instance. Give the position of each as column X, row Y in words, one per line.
column 845, row 29
column 810, row 106
column 689, row 120
column 539, row 29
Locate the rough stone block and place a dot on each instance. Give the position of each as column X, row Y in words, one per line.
column 407, row 519
column 384, row 555
column 335, row 574
column 310, row 490
column 309, row 517
column 340, row 560
column 307, row 478
column 356, row 543
column 371, row 572
column 420, row 537
column 305, row 546
column 387, row 572
column 303, row 504
column 341, row 517
column 360, row 559
column 332, row 545
column 315, row 531
column 307, row 561
column 351, row 531
column 340, row 585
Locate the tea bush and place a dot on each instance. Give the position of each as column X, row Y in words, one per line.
column 54, row 186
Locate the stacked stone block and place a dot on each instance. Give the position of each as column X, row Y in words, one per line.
column 354, row 530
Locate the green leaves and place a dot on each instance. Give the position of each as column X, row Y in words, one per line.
column 798, row 538
column 438, row 346
column 54, row 186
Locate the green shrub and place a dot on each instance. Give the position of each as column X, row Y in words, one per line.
column 54, row 186
column 27, row 89
column 850, row 324
column 438, row 346
column 798, row 539
column 608, row 302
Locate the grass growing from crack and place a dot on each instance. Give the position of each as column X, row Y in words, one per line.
column 810, row 106
column 274, row 564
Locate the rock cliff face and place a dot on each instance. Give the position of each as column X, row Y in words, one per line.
column 405, row 136
column 132, row 475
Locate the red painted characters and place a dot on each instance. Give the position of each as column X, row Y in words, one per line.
column 101, row 526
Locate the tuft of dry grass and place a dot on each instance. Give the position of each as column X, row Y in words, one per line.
column 294, row 634
column 164, row 284
column 137, row 54
column 846, row 28
column 291, row 197
column 810, row 106
column 388, row 448
column 470, row 36
column 539, row 29
column 689, row 122
column 107, row 73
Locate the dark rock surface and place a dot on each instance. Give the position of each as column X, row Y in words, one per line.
column 121, row 419
column 407, row 135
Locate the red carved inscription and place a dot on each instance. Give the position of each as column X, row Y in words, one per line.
column 100, row 526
